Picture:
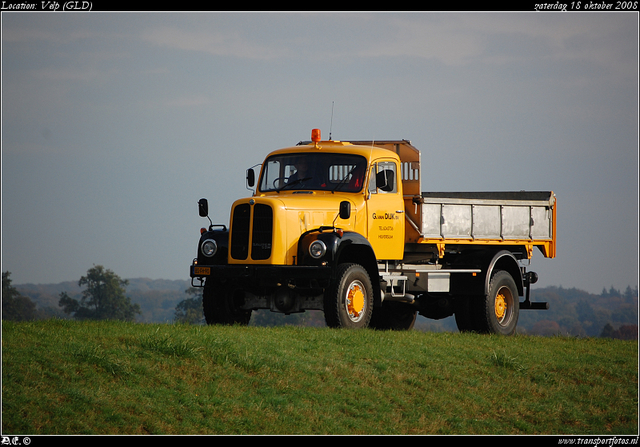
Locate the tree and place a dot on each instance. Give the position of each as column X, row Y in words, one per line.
column 630, row 294
column 608, row 331
column 15, row 307
column 104, row 298
column 189, row 310
column 546, row 328
column 628, row 332
column 585, row 311
column 625, row 332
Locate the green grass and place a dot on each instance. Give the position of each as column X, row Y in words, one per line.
column 65, row 377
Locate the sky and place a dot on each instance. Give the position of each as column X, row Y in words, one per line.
column 114, row 125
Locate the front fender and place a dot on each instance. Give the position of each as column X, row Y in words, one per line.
column 331, row 240
column 339, row 245
column 221, row 237
column 342, row 247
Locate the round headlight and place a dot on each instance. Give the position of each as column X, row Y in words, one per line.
column 317, row 249
column 209, row 247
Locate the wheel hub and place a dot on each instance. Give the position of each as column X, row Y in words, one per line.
column 355, row 300
column 500, row 306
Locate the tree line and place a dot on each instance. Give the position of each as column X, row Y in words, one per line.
column 103, row 299
column 612, row 314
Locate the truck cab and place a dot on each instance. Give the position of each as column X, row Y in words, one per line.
column 307, row 183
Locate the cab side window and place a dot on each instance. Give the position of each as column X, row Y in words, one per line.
column 383, row 178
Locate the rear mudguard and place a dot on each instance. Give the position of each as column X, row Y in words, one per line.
column 488, row 261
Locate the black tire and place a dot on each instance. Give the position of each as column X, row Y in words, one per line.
column 348, row 301
column 394, row 316
column 221, row 305
column 495, row 313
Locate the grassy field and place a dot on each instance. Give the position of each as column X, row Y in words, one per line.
column 65, row 377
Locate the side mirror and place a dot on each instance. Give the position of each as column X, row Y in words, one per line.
column 384, row 180
column 251, row 177
column 345, row 210
column 203, row 207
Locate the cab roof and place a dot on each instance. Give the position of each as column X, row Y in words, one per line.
column 371, row 152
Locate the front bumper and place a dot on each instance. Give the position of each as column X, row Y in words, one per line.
column 258, row 274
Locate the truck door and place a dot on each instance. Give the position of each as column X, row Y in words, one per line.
column 385, row 210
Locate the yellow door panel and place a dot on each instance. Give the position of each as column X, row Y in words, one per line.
column 385, row 210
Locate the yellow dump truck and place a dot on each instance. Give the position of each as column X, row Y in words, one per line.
column 344, row 227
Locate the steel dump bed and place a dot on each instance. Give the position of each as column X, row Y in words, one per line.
column 524, row 218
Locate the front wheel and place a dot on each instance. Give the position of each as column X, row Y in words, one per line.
column 348, row 301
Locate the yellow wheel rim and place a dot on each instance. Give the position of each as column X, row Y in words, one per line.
column 355, row 300
column 501, row 306
column 502, row 303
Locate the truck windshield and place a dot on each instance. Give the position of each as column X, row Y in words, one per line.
column 313, row 171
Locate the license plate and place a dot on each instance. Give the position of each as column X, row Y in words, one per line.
column 205, row 271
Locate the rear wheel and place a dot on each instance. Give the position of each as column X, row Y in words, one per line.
column 394, row 316
column 222, row 303
column 495, row 313
column 348, row 301
column 502, row 306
